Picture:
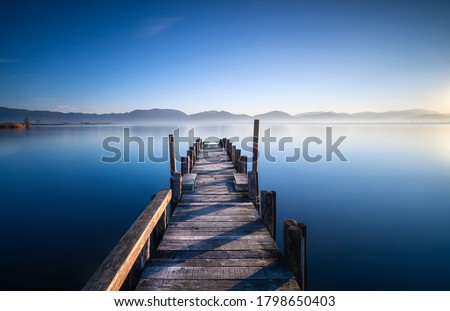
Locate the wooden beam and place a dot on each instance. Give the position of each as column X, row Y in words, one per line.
column 255, row 146
column 173, row 167
column 269, row 211
column 294, row 240
column 198, row 143
column 184, row 165
column 190, row 156
column 240, row 182
column 237, row 157
column 193, row 157
column 253, row 188
column 131, row 249
column 176, row 185
column 243, row 164
column 230, row 146
column 160, row 228
column 233, row 154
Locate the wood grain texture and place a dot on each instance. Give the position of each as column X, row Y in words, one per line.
column 269, row 211
column 217, row 273
column 215, row 239
column 240, row 182
column 217, row 285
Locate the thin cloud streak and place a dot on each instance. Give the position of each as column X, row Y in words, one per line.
column 66, row 109
column 154, row 27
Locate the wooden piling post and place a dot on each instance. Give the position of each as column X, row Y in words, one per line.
column 173, row 167
column 175, row 184
column 175, row 177
column 191, row 160
column 199, row 145
column 233, row 154
column 192, row 149
column 160, row 228
column 294, row 240
column 255, row 145
column 253, row 188
column 243, row 164
column 269, row 211
column 188, row 164
column 237, row 157
column 184, row 165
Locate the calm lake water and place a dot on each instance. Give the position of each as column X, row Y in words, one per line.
column 379, row 221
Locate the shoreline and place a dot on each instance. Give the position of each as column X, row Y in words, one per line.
column 13, row 125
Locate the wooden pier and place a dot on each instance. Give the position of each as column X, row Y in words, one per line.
column 215, row 240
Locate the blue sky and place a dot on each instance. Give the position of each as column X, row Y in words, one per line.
column 240, row 56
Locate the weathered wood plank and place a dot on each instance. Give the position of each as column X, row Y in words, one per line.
column 204, row 225
column 216, row 177
column 188, row 182
column 218, row 254
column 226, row 238
column 218, row 204
column 217, row 273
column 216, row 190
column 211, row 145
column 218, row 285
column 240, row 182
column 215, row 244
column 226, row 262
column 215, row 211
column 209, row 218
column 232, row 197
column 213, row 232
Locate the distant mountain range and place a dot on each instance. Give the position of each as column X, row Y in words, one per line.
column 171, row 115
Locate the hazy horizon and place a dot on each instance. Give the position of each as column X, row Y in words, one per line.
column 245, row 57
column 233, row 112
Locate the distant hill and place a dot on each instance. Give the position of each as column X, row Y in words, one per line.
column 323, row 116
column 171, row 115
column 52, row 117
column 399, row 114
column 274, row 116
column 217, row 116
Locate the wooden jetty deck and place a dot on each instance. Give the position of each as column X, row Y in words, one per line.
column 215, row 240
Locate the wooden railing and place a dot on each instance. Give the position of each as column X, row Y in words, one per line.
column 122, row 267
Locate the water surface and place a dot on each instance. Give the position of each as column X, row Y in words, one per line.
column 378, row 221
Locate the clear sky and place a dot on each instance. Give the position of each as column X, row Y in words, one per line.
column 241, row 56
